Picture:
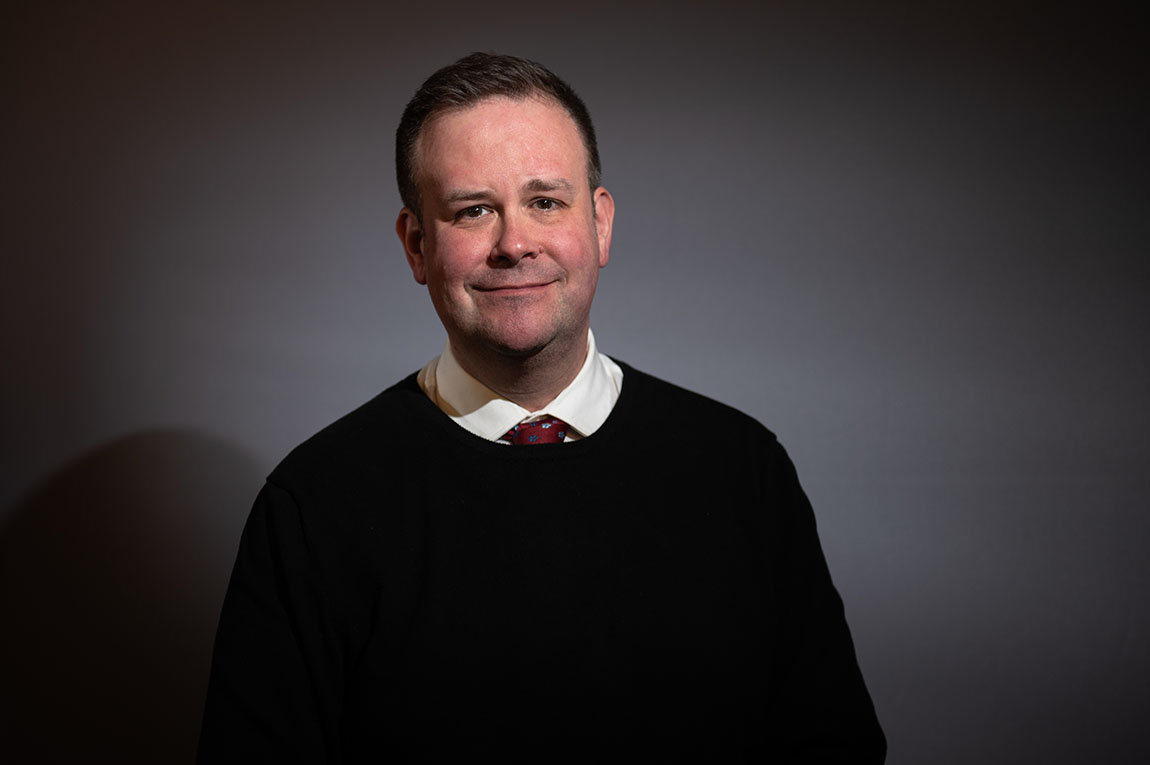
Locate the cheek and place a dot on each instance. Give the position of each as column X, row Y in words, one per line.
column 578, row 254
column 455, row 257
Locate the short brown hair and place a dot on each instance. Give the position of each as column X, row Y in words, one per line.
column 470, row 80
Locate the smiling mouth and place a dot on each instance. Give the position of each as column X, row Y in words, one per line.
column 509, row 289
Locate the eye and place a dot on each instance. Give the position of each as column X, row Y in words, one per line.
column 471, row 213
column 546, row 205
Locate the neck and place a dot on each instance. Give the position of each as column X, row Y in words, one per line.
column 531, row 381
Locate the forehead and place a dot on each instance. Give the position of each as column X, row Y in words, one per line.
column 500, row 136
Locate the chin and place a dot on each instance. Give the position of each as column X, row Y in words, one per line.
column 522, row 342
column 517, row 347
column 519, row 336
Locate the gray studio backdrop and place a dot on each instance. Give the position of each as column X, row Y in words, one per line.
column 910, row 241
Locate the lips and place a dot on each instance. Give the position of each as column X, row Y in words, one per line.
column 511, row 287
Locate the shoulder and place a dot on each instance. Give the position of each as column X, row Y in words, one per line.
column 371, row 435
column 653, row 397
column 708, row 449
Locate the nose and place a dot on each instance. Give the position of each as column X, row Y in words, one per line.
column 514, row 241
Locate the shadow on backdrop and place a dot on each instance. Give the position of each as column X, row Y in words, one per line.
column 111, row 575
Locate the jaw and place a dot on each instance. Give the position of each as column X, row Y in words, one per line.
column 524, row 365
column 520, row 325
column 516, row 336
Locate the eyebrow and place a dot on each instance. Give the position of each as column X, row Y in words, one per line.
column 534, row 186
column 465, row 195
column 539, row 185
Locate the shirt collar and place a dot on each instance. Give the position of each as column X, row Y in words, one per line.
column 584, row 404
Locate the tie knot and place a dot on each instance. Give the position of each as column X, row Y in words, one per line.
column 549, row 430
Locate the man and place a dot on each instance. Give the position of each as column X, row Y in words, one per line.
column 643, row 583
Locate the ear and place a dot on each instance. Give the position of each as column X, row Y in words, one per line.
column 411, row 234
column 604, row 207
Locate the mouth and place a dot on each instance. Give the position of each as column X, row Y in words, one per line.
column 513, row 289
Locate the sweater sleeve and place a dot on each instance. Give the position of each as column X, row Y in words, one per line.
column 274, row 689
column 821, row 710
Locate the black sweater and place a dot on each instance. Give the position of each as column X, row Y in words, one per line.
column 408, row 592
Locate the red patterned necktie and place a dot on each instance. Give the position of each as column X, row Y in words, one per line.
column 549, row 430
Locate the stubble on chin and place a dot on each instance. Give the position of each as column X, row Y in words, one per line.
column 518, row 337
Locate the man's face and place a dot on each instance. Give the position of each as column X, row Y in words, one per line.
column 512, row 238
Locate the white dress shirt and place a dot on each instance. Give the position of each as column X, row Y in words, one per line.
column 584, row 404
